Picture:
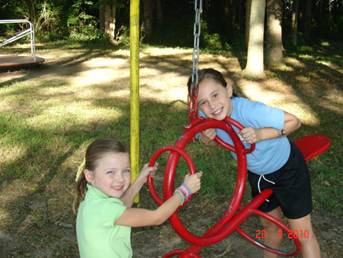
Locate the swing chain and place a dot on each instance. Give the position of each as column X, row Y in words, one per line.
column 196, row 34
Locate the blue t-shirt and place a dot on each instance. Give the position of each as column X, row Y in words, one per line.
column 269, row 155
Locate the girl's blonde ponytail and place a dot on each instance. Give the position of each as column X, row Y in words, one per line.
column 80, row 186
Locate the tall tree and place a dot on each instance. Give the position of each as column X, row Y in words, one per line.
column 159, row 13
column 239, row 21
column 274, row 47
column 308, row 20
column 247, row 21
column 323, row 17
column 148, row 17
column 107, row 17
column 228, row 17
column 255, row 62
column 294, row 22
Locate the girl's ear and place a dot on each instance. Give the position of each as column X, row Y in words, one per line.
column 89, row 175
column 229, row 89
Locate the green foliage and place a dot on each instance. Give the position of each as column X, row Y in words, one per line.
column 221, row 24
column 210, row 40
column 48, row 24
column 88, row 32
column 123, row 37
column 81, row 25
column 56, row 19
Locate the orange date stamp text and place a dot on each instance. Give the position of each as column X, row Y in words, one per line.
column 292, row 234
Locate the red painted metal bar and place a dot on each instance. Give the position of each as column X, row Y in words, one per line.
column 168, row 187
column 231, row 225
column 238, row 192
column 151, row 185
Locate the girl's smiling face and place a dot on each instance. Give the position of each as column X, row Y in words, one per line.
column 111, row 174
column 214, row 99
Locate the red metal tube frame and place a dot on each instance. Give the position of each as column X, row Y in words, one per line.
column 151, row 184
column 168, row 186
column 231, row 218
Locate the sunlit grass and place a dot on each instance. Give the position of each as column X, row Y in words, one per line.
column 67, row 117
column 11, row 151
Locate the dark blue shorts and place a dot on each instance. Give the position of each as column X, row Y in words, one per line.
column 292, row 188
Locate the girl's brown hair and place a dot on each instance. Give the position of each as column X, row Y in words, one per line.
column 208, row 73
column 94, row 152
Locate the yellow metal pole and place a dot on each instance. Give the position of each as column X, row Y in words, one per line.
column 134, row 90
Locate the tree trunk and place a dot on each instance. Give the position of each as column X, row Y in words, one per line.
column 255, row 63
column 247, row 21
column 107, row 17
column 274, row 47
column 323, row 17
column 102, row 17
column 159, row 13
column 294, row 23
column 308, row 20
column 148, row 17
column 228, row 19
column 239, row 21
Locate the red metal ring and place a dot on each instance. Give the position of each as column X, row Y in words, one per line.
column 265, row 247
column 168, row 186
column 151, row 185
column 229, row 147
column 230, row 122
column 225, row 226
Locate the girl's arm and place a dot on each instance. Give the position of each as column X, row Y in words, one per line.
column 134, row 189
column 252, row 135
column 136, row 217
column 291, row 124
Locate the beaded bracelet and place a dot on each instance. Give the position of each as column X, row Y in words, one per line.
column 184, row 191
column 180, row 195
column 189, row 191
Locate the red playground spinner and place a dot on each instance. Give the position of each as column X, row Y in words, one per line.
column 235, row 214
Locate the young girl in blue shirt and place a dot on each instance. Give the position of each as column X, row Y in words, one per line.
column 275, row 163
column 105, row 196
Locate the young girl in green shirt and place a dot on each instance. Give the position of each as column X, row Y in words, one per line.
column 105, row 196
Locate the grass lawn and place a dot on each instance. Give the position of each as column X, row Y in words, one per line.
column 49, row 114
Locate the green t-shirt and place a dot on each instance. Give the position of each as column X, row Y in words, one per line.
column 97, row 235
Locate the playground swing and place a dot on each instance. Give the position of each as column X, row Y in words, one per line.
column 235, row 215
